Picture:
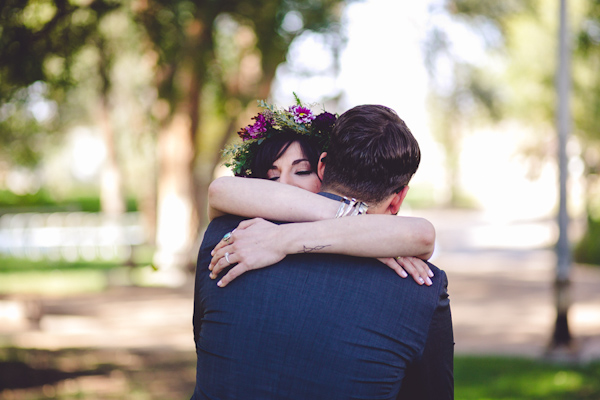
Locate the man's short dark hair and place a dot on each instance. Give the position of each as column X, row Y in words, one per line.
column 372, row 154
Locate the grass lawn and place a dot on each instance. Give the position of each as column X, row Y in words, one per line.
column 121, row 374
column 61, row 277
column 498, row 378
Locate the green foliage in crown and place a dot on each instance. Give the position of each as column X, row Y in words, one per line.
column 271, row 122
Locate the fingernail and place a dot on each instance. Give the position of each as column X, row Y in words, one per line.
column 430, row 273
column 210, row 267
column 421, row 280
column 212, row 276
column 212, row 253
column 220, row 284
column 403, row 274
column 429, row 282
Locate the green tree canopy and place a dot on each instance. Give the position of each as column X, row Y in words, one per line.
column 189, row 73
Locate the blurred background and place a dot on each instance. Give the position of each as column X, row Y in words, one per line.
column 113, row 114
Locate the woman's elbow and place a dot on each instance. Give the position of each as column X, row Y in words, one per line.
column 216, row 190
column 427, row 238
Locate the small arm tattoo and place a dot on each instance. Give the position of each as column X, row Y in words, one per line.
column 311, row 249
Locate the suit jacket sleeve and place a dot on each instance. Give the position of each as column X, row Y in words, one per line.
column 431, row 376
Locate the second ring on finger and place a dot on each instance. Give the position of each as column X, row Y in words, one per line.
column 219, row 266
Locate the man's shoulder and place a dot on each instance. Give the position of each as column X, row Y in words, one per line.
column 367, row 276
column 225, row 220
column 440, row 281
column 437, row 271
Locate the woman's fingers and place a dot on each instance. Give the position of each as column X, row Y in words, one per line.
column 227, row 240
column 249, row 222
column 232, row 274
column 412, row 266
column 393, row 264
column 251, row 246
column 220, row 261
column 417, row 268
column 225, row 261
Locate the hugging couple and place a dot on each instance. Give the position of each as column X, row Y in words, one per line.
column 331, row 316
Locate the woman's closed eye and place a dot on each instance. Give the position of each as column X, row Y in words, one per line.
column 294, row 168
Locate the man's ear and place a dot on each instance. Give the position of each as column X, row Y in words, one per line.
column 396, row 202
column 321, row 165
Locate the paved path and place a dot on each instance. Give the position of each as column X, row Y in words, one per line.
column 502, row 310
column 502, row 301
column 501, row 275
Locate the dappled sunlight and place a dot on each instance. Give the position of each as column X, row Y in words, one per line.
column 585, row 316
column 506, row 235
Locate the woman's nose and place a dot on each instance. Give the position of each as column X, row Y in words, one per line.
column 284, row 178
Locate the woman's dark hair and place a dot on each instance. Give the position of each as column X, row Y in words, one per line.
column 271, row 149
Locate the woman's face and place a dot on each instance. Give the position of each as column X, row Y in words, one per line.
column 293, row 168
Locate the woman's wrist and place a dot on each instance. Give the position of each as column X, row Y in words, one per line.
column 289, row 237
column 300, row 237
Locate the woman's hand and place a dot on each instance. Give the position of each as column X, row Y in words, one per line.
column 416, row 267
column 252, row 245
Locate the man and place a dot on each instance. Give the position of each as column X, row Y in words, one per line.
column 326, row 326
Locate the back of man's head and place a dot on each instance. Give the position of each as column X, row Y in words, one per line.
column 372, row 154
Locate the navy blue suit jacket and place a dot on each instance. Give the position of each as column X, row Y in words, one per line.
column 320, row 326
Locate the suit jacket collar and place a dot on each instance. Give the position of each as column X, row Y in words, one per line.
column 331, row 196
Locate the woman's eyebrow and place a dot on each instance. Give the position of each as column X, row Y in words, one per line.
column 299, row 161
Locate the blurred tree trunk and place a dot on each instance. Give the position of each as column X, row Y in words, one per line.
column 112, row 200
column 175, row 193
column 561, row 337
column 197, row 64
column 178, row 212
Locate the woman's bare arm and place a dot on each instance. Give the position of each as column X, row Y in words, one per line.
column 267, row 199
column 367, row 236
column 395, row 241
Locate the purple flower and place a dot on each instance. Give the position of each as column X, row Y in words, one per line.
column 302, row 115
column 323, row 123
column 256, row 130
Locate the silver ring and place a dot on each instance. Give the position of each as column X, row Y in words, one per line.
column 227, row 258
column 227, row 236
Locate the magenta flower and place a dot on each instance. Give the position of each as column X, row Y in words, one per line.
column 256, row 130
column 302, row 115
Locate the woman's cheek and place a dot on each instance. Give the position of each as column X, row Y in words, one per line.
column 315, row 185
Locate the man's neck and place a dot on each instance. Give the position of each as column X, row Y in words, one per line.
column 335, row 191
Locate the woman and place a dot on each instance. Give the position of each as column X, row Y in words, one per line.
column 284, row 146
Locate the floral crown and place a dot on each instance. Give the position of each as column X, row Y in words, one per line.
column 271, row 122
